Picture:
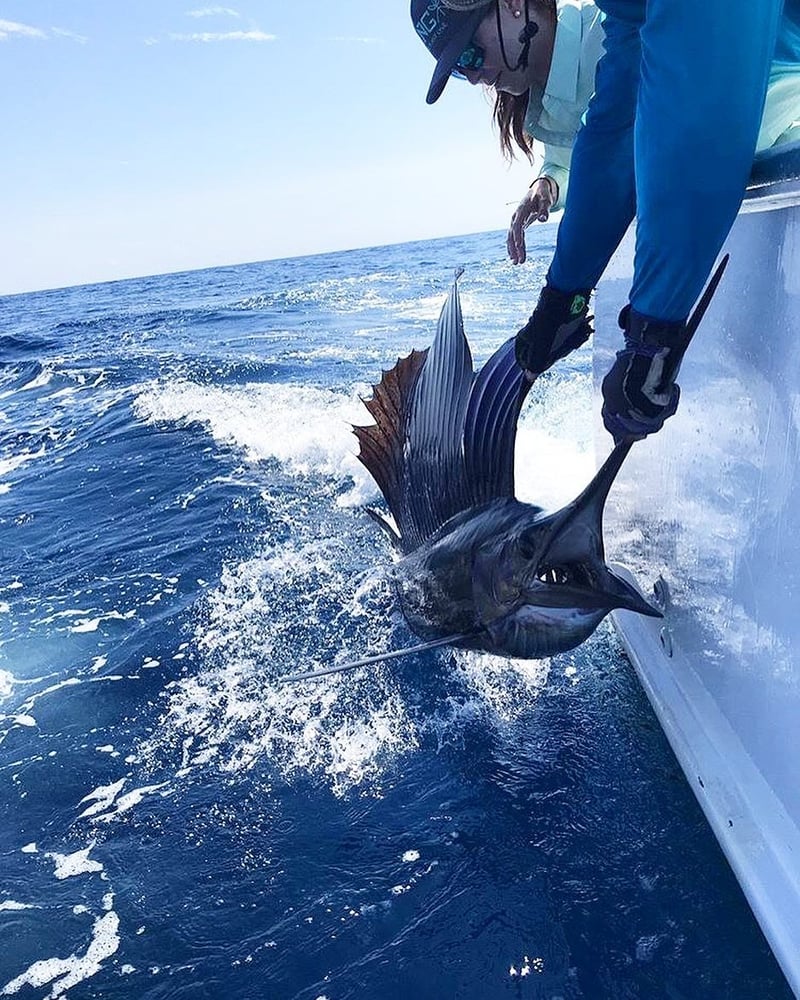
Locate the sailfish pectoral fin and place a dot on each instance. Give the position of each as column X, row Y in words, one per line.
column 436, row 485
column 414, row 451
column 490, row 425
column 385, row 526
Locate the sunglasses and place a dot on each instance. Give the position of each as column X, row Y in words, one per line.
column 471, row 58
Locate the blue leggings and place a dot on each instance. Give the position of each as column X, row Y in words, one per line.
column 669, row 138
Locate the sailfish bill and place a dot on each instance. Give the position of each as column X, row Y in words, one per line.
column 395, row 654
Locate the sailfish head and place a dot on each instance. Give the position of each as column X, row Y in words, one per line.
column 568, row 557
column 551, row 586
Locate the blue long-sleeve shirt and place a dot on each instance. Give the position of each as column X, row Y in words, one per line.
column 555, row 113
column 669, row 138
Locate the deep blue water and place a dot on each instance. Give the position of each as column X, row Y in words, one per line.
column 180, row 524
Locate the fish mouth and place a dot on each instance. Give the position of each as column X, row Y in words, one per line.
column 610, row 593
column 569, row 561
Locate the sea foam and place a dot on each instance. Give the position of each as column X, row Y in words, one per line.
column 308, row 430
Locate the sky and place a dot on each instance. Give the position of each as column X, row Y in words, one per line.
column 166, row 135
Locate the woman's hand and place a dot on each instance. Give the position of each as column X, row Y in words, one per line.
column 535, row 206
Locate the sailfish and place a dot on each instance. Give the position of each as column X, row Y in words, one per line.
column 478, row 568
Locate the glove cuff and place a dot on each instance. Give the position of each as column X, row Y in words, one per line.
column 559, row 324
column 564, row 306
column 642, row 331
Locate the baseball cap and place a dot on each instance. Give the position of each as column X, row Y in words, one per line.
column 446, row 28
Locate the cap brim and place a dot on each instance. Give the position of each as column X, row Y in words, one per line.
column 449, row 57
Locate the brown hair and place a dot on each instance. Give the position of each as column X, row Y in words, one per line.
column 509, row 111
column 508, row 117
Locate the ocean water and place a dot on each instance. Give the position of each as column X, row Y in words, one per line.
column 181, row 523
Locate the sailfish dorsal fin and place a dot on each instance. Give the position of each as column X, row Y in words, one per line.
column 381, row 445
column 443, row 440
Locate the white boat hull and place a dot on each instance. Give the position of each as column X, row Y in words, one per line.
column 709, row 512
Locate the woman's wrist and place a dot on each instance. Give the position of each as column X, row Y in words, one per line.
column 551, row 184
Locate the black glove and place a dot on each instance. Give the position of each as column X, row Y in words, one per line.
column 560, row 323
column 640, row 392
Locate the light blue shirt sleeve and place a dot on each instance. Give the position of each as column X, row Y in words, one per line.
column 555, row 114
column 556, row 166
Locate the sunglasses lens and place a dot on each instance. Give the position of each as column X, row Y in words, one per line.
column 471, row 58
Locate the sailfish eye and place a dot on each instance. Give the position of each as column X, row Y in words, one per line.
column 553, row 574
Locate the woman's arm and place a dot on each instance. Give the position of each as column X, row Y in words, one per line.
column 534, row 207
column 556, row 166
column 545, row 195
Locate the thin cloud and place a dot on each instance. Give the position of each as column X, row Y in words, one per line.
column 72, row 35
column 225, row 36
column 13, row 29
column 213, row 12
column 355, row 39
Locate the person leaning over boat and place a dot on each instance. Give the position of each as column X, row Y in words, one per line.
column 672, row 147
column 543, row 101
column 551, row 114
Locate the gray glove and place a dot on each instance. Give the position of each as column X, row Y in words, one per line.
column 640, row 391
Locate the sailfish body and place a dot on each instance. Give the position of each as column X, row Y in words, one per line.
column 479, row 565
